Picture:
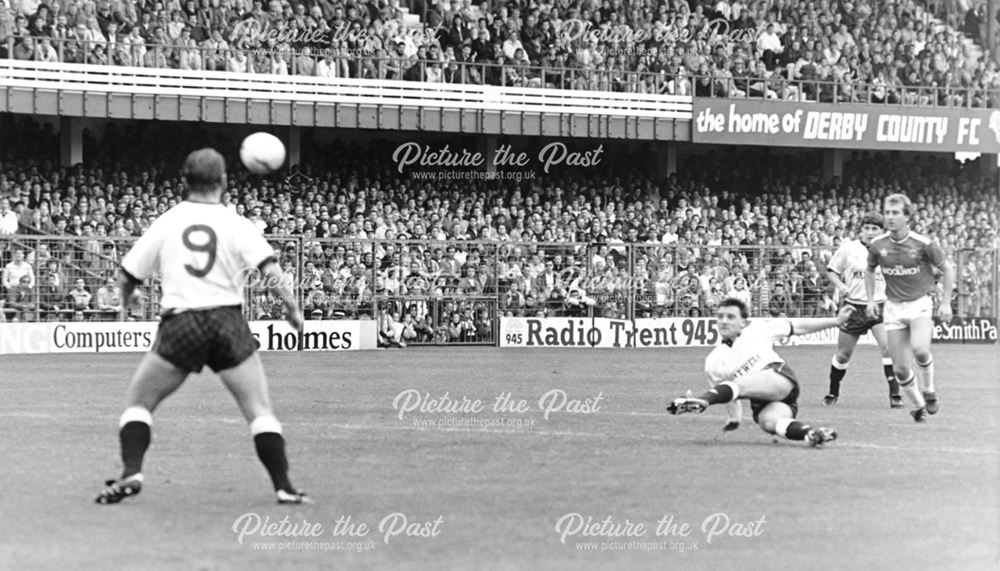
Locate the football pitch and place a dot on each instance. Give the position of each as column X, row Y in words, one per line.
column 510, row 489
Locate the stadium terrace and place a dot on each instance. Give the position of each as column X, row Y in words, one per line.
column 776, row 329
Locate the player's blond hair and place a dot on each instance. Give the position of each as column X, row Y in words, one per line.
column 902, row 200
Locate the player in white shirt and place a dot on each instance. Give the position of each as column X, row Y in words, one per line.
column 846, row 271
column 203, row 252
column 745, row 366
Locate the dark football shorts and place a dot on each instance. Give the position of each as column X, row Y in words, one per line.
column 860, row 322
column 792, row 400
column 217, row 337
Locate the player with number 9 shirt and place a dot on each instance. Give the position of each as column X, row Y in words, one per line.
column 202, row 251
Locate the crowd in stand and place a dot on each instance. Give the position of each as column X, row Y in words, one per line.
column 849, row 50
column 447, row 258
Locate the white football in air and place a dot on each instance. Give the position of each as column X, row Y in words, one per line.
column 262, row 153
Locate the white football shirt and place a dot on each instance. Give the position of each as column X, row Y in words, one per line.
column 751, row 351
column 850, row 262
column 203, row 252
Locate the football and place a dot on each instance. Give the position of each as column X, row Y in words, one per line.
column 262, row 153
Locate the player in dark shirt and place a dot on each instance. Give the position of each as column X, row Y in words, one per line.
column 908, row 260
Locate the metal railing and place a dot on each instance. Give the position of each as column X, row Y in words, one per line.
column 342, row 63
column 56, row 264
column 310, row 90
column 455, row 291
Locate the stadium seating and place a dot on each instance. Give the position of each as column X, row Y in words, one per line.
column 870, row 51
column 363, row 234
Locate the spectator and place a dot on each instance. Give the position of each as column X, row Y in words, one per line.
column 79, row 297
column 769, row 46
column 680, row 84
column 459, row 329
column 215, row 48
column 17, row 269
column 814, row 292
column 188, row 56
column 8, row 218
column 513, row 301
column 52, row 269
column 409, row 333
column 740, row 291
column 484, row 326
column 21, row 300
column 39, row 256
column 51, row 298
column 25, row 49
column 712, row 295
column 545, row 282
column 470, row 284
column 109, row 299
column 424, row 328
column 304, row 63
column 780, row 304
column 390, row 330
column 278, row 64
column 974, row 19
column 238, row 62
column 45, row 52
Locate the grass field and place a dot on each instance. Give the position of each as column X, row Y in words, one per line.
column 888, row 494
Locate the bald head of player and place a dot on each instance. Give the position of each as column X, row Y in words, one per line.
column 205, row 174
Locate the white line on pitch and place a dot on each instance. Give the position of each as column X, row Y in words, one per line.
column 917, row 448
column 530, row 431
column 488, row 430
column 472, row 430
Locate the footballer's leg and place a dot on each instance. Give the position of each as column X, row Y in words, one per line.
column 899, row 351
column 734, row 411
column 878, row 332
column 921, row 329
column 846, row 342
column 154, row 380
column 779, row 418
column 248, row 384
column 766, row 385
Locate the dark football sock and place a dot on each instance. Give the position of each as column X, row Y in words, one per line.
column 271, row 451
column 721, row 393
column 890, row 377
column 796, row 430
column 836, row 375
column 134, row 437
